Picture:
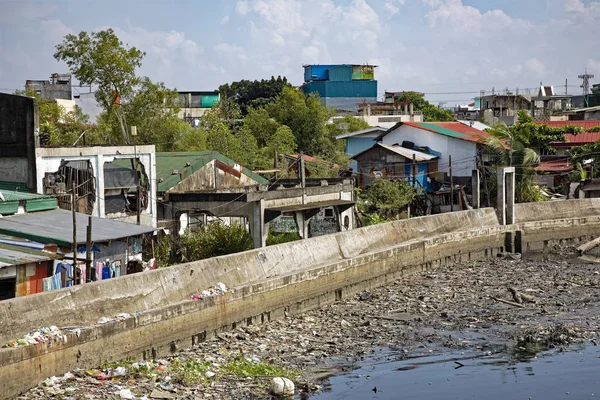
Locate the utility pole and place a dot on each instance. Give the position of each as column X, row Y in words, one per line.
column 88, row 252
column 302, row 171
column 451, row 184
column 275, row 162
column 566, row 87
column 414, row 171
column 586, row 86
column 138, row 204
column 73, row 205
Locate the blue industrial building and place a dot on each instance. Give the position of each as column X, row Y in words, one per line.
column 342, row 86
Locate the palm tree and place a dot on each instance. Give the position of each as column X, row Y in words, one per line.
column 511, row 148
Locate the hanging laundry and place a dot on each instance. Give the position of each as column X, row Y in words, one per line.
column 47, row 284
column 82, row 277
column 56, row 281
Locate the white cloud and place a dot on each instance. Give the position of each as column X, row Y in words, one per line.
column 231, row 52
column 54, row 30
column 225, row 20
column 593, row 67
column 242, row 7
column 460, row 19
column 574, row 6
column 536, row 66
column 391, row 8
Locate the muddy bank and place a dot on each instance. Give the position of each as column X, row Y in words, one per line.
column 505, row 305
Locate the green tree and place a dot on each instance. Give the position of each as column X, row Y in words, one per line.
column 305, row 116
column 153, row 109
column 61, row 128
column 430, row 112
column 282, row 141
column 388, row 198
column 261, row 125
column 519, row 146
column 214, row 239
column 253, row 94
column 102, row 60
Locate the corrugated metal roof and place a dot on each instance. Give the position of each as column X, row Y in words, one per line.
column 375, row 129
column 475, row 124
column 403, row 151
column 408, row 153
column 582, row 138
column 453, row 129
column 168, row 163
column 16, row 186
column 555, row 166
column 585, row 124
column 12, row 255
column 10, row 200
column 56, row 227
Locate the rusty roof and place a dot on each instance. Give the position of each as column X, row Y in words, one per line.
column 585, row 124
column 14, row 255
column 554, row 166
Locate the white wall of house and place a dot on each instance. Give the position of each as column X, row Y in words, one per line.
column 463, row 152
column 48, row 160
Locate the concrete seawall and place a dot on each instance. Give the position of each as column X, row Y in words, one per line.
column 291, row 277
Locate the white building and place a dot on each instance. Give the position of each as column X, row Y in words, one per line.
column 104, row 178
column 447, row 138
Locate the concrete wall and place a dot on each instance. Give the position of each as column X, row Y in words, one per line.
column 50, row 159
column 291, row 277
column 18, row 131
column 463, row 152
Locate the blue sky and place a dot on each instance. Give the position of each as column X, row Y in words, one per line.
column 432, row 46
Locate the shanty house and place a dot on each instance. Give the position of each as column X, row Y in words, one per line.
column 446, row 138
column 396, row 162
column 202, row 171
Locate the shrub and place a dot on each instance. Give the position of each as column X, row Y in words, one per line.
column 214, row 239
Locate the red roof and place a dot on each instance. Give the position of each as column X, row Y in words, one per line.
column 559, row 124
column 579, row 139
column 582, row 138
column 555, row 166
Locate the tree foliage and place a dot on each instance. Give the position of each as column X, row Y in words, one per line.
column 253, row 94
column 430, row 112
column 519, row 146
column 214, row 239
column 59, row 127
column 388, row 197
column 101, row 59
column 305, row 116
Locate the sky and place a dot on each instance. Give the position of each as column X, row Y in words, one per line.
column 448, row 49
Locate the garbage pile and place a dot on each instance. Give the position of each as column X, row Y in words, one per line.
column 119, row 317
column 217, row 290
column 42, row 335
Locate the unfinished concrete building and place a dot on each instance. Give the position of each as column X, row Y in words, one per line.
column 108, row 181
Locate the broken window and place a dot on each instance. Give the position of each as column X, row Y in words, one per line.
column 125, row 181
column 78, row 175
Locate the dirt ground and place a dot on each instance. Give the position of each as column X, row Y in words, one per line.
column 554, row 302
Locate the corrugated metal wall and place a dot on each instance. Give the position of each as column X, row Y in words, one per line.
column 343, row 73
column 358, row 89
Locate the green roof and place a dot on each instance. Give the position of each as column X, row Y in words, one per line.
column 15, row 186
column 33, row 202
column 186, row 164
column 442, row 130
